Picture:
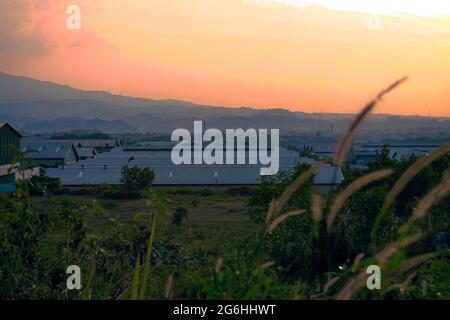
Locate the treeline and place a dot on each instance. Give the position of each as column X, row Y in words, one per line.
column 79, row 134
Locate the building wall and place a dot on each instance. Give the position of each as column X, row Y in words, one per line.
column 71, row 156
column 8, row 138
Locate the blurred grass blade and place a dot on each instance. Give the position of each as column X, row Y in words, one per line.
column 414, row 262
column 351, row 189
column 284, row 217
column 293, row 187
column 401, row 183
column 358, row 282
column 148, row 258
column 135, row 283
column 431, row 198
column 342, row 147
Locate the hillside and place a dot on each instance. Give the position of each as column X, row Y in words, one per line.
column 36, row 106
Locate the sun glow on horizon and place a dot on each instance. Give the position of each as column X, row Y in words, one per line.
column 303, row 55
column 421, row 8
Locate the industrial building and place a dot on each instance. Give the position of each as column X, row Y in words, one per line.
column 99, row 145
column 106, row 168
column 362, row 153
column 49, row 152
column 85, row 153
column 9, row 147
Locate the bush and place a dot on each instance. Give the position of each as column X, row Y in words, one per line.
column 240, row 191
column 136, row 179
column 206, row 192
column 33, row 259
column 240, row 281
column 41, row 185
column 179, row 216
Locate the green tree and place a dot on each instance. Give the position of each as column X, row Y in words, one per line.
column 136, row 179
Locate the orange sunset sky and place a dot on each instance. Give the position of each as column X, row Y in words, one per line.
column 312, row 56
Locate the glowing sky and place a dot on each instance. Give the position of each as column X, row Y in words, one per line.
column 313, row 56
column 421, row 8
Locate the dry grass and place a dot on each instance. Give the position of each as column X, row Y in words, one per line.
column 344, row 143
column 284, row 217
column 169, row 287
column 394, row 247
column 219, row 265
column 316, row 207
column 352, row 286
column 413, row 170
column 358, row 282
column 432, row 197
column 266, row 265
column 276, row 205
column 270, row 210
column 351, row 189
column 330, row 283
column 414, row 262
column 401, row 183
column 357, row 260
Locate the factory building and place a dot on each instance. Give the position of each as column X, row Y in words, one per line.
column 106, row 168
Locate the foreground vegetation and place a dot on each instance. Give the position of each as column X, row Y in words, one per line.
column 220, row 246
column 281, row 240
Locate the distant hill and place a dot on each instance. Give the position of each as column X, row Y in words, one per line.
column 70, row 124
column 35, row 106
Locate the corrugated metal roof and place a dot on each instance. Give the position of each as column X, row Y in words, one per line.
column 95, row 143
column 85, row 152
column 153, row 145
column 106, row 169
column 46, row 149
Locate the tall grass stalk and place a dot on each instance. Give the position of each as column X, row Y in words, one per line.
column 410, row 263
column 358, row 282
column 284, row 217
column 351, row 189
column 432, row 197
column 169, row 287
column 278, row 204
column 316, row 209
column 401, row 183
column 135, row 283
column 344, row 143
column 148, row 257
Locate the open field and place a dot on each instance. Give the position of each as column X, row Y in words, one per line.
column 215, row 218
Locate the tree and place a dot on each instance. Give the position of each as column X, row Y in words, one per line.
column 136, row 179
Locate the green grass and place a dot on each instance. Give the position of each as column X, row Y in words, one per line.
column 214, row 221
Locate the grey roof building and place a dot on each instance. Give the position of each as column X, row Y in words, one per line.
column 100, row 145
column 49, row 152
column 85, row 153
column 106, row 168
column 362, row 153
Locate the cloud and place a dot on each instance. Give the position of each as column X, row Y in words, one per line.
column 36, row 27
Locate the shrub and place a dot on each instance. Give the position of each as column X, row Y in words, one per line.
column 136, row 179
column 41, row 185
column 179, row 216
column 240, row 191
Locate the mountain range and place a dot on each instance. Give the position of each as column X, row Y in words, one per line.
column 35, row 106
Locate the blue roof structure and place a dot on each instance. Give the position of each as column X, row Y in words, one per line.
column 46, row 149
column 106, row 168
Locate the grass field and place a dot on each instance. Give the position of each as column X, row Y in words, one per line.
column 215, row 218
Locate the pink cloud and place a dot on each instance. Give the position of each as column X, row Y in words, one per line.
column 35, row 27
